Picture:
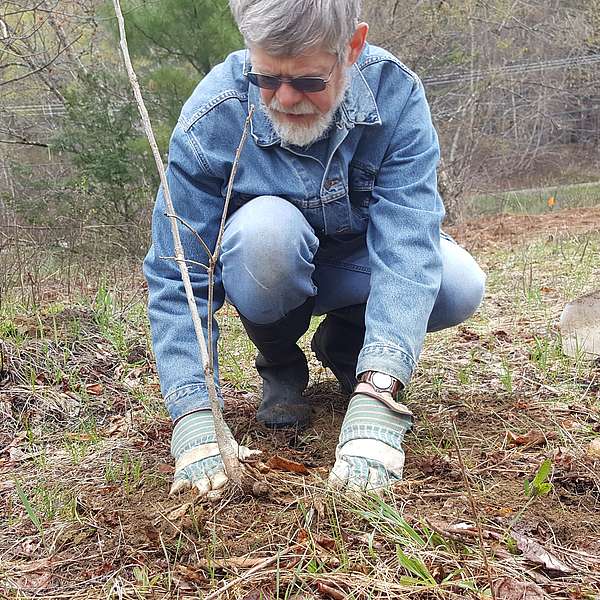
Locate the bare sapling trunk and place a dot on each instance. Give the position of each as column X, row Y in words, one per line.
column 225, row 441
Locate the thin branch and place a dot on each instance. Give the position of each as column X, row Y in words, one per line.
column 187, row 260
column 188, row 226
column 215, row 257
column 234, row 169
column 224, row 437
column 24, row 143
column 251, row 572
column 473, row 510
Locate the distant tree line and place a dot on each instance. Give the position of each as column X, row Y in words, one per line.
column 513, row 88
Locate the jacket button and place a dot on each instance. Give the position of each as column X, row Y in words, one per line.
column 331, row 183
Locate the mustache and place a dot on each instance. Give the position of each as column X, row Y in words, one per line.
column 302, row 108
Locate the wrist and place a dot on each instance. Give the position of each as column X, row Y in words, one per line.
column 384, row 388
column 382, row 383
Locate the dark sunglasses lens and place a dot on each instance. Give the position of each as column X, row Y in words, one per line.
column 264, row 81
column 309, row 84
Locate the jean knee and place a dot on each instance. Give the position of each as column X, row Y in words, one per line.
column 470, row 294
column 461, row 291
column 268, row 249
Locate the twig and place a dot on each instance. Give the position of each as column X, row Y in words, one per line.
column 473, row 510
column 215, row 256
column 248, row 574
column 187, row 260
column 192, row 231
column 224, row 437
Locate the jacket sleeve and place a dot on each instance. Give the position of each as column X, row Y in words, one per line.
column 197, row 199
column 403, row 240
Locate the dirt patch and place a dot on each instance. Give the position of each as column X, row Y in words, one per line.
column 85, row 467
column 511, row 228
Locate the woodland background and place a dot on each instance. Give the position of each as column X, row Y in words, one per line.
column 513, row 87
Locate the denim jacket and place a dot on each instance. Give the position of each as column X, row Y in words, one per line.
column 373, row 174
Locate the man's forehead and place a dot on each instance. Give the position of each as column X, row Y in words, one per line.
column 310, row 61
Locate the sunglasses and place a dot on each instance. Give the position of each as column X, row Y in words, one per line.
column 308, row 85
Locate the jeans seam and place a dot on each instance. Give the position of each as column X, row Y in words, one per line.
column 344, row 266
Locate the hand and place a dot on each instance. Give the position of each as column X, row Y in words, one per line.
column 198, row 462
column 369, row 455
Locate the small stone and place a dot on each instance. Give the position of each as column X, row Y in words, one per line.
column 261, row 489
column 593, row 449
column 580, row 327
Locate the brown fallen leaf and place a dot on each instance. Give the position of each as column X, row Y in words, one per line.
column 512, row 589
column 176, row 514
column 190, row 574
column 283, row 464
column 94, row 389
column 531, row 438
column 330, row 592
column 325, row 542
column 536, row 553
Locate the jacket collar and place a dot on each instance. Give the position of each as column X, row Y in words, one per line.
column 357, row 108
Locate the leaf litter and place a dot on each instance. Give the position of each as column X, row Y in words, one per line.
column 95, row 467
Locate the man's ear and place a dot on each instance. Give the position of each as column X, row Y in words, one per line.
column 357, row 43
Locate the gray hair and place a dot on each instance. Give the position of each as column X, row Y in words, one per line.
column 290, row 27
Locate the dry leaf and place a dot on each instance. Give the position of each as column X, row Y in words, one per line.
column 531, row 438
column 536, row 553
column 34, row 582
column 94, row 389
column 284, row 464
column 326, row 542
column 176, row 514
column 512, row 589
column 301, row 536
column 190, row 574
column 593, row 449
column 330, row 592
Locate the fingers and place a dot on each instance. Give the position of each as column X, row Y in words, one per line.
column 218, row 480
column 353, row 475
column 180, row 485
column 339, row 475
column 245, row 453
column 207, row 475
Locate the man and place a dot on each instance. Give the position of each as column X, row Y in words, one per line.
column 335, row 211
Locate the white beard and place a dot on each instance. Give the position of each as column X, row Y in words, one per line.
column 300, row 134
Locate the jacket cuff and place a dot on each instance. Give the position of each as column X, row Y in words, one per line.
column 188, row 399
column 386, row 359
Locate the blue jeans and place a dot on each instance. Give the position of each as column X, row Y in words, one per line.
column 272, row 261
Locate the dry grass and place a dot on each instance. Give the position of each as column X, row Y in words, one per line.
column 85, row 466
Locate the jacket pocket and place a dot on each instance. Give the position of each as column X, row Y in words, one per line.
column 361, row 181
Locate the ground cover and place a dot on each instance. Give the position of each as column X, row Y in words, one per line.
column 503, row 467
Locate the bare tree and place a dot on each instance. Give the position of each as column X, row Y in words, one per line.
column 512, row 85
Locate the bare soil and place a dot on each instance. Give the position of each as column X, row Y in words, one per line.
column 109, row 529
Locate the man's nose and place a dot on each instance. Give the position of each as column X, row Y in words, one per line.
column 288, row 96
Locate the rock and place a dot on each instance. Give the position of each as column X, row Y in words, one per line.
column 593, row 449
column 580, row 327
